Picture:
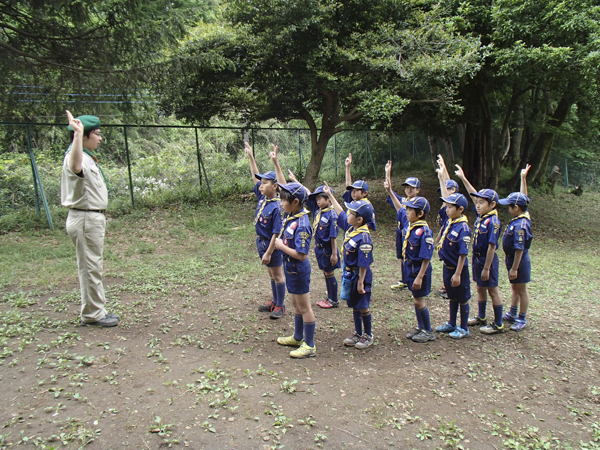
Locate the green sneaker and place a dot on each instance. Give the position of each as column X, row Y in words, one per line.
column 289, row 341
column 304, row 351
column 400, row 286
column 492, row 329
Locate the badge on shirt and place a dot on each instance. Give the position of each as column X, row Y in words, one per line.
column 352, row 243
column 419, row 231
column 304, row 236
column 454, row 233
column 366, row 248
column 429, row 240
column 324, row 219
column 486, row 221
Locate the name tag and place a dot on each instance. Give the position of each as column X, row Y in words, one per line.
column 454, row 233
column 324, row 219
column 352, row 243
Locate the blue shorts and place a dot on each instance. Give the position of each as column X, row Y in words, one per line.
column 462, row 293
column 410, row 270
column 357, row 301
column 398, row 245
column 276, row 257
column 297, row 276
column 323, row 254
column 524, row 270
column 478, row 264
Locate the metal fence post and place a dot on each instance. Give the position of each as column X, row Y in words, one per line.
column 129, row 168
column 391, row 136
column 566, row 173
column 37, row 180
column 199, row 157
column 201, row 163
column 335, row 154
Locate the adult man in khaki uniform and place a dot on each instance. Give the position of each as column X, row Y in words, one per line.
column 84, row 192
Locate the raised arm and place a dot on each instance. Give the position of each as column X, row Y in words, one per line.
column 293, row 178
column 76, row 155
column 461, row 174
column 338, row 208
column 253, row 166
column 348, row 163
column 280, row 178
column 387, row 184
column 443, row 169
column 524, row 173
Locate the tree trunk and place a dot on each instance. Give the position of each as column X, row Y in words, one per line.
column 449, row 152
column 461, row 128
column 316, row 159
column 473, row 160
column 433, row 149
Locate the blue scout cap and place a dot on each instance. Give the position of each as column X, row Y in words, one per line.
column 412, row 181
column 516, row 198
column 267, row 176
column 456, row 199
column 319, row 191
column 450, row 184
column 419, row 203
column 488, row 194
column 363, row 208
column 89, row 123
column 358, row 184
column 297, row 190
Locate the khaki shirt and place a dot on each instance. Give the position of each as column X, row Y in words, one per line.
column 85, row 192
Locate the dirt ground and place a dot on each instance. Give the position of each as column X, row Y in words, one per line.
column 194, row 364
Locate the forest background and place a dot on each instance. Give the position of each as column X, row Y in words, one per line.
column 494, row 85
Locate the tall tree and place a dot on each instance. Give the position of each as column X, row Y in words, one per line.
column 327, row 63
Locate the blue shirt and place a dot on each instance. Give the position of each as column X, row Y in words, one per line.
column 420, row 244
column 455, row 243
column 517, row 236
column 358, row 251
column 297, row 234
column 442, row 216
column 327, row 228
column 486, row 231
column 268, row 222
column 348, row 199
column 402, row 222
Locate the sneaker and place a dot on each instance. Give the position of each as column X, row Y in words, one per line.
column 304, row 351
column 365, row 342
column 278, row 312
column 508, row 317
column 413, row 332
column 424, row 336
column 459, row 333
column 106, row 322
column 519, row 324
column 446, row 328
column 352, row 341
column 442, row 292
column 400, row 286
column 492, row 329
column 328, row 304
column 477, row 321
column 289, row 341
column 111, row 315
column 267, row 308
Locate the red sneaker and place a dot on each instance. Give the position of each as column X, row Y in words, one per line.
column 328, row 304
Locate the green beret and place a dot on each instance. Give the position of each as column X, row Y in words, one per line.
column 89, row 123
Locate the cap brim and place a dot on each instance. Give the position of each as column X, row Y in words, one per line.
column 505, row 202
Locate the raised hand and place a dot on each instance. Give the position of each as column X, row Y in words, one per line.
column 348, row 160
column 273, row 154
column 459, row 172
column 388, row 169
column 248, row 149
column 292, row 176
column 525, row 171
column 75, row 123
column 326, row 189
column 387, row 186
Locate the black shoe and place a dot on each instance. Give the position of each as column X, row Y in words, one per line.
column 278, row 312
column 267, row 308
column 106, row 322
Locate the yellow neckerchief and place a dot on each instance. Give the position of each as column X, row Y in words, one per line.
column 295, row 216
column 318, row 218
column 525, row 215
column 262, row 207
column 478, row 222
column 450, row 223
column 418, row 223
column 351, row 232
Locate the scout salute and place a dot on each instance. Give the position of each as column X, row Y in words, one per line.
column 359, row 190
column 267, row 222
column 84, row 191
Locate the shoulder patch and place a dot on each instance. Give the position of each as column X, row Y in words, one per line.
column 429, row 240
column 486, row 221
column 467, row 239
column 419, row 231
column 366, row 248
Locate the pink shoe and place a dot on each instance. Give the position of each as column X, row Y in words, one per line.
column 328, row 304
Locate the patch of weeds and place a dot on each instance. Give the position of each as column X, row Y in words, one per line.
column 424, row 433
column 451, row 435
column 19, row 299
column 160, row 428
column 320, row 439
column 289, row 386
column 309, row 421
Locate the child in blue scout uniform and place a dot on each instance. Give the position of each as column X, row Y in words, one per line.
column 267, row 222
column 357, row 277
column 295, row 244
column 447, row 187
column 516, row 243
column 412, row 187
column 325, row 231
column 485, row 261
column 417, row 251
column 359, row 190
column 453, row 250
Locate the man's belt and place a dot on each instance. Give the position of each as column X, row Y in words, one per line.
column 90, row 210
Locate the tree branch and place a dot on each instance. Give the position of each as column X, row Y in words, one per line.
column 47, row 38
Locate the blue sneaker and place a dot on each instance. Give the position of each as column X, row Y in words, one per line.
column 519, row 324
column 508, row 317
column 459, row 333
column 446, row 328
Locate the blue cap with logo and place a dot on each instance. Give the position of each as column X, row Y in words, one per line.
column 516, row 198
column 319, row 191
column 363, row 208
column 456, row 199
column 450, row 184
column 358, row 184
column 412, row 181
column 297, row 190
column 419, row 203
column 488, row 194
column 267, row 176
